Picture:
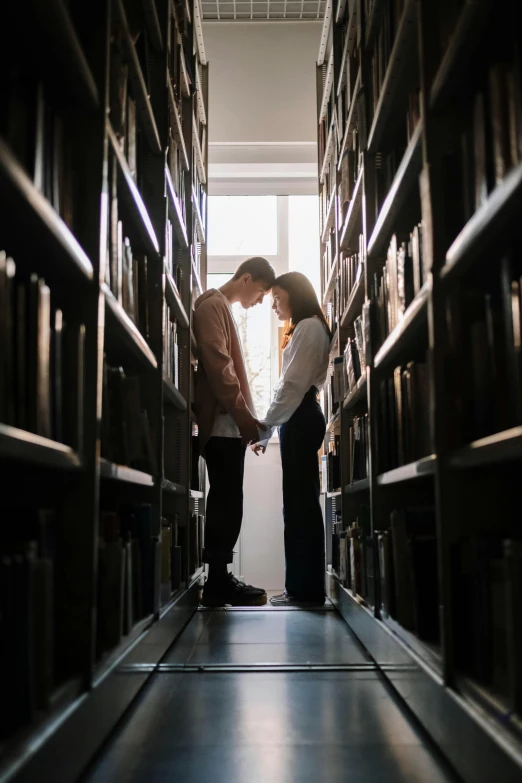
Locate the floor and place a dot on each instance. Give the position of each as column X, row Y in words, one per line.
column 267, row 696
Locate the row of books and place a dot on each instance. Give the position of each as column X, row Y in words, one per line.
column 332, row 466
column 178, row 63
column 129, row 572
column 351, row 163
column 324, row 132
column 489, row 146
column 327, row 191
column 347, row 78
column 173, row 266
column 488, row 570
column 351, row 269
column 135, row 555
column 38, row 133
column 329, row 257
column 325, row 197
column 386, row 165
column 407, row 557
column 200, row 194
column 27, row 618
column 332, row 399
column 353, row 556
column 53, row 161
column 402, row 278
column 122, row 105
column 126, row 272
column 359, row 449
column 171, row 348
column 383, row 46
column 356, row 352
column 404, row 425
column 348, row 369
column 177, row 169
column 483, row 331
column 42, row 361
column 127, row 437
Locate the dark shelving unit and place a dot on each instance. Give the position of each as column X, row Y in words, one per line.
column 103, row 216
column 433, row 219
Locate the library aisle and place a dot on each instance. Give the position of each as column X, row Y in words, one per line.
column 266, row 696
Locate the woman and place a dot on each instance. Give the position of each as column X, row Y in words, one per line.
column 296, row 410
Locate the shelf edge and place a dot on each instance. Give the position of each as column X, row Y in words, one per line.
column 414, row 311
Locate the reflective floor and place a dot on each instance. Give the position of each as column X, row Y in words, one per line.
column 281, row 724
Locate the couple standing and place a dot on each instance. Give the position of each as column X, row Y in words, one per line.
column 228, row 424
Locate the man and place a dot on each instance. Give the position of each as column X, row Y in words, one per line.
column 227, row 424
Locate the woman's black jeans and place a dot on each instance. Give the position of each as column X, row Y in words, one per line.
column 300, row 440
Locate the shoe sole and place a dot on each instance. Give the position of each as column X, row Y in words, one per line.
column 213, row 604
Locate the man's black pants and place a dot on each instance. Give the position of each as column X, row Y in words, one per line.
column 225, row 459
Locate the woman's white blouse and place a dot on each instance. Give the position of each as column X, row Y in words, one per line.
column 305, row 364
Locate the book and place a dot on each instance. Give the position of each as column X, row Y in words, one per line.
column 386, row 575
column 512, row 319
column 503, row 125
column 38, row 357
column 128, row 585
column 403, row 571
column 416, row 256
column 118, row 88
column 355, row 559
column 57, row 376
column 44, row 629
column 512, row 551
column 131, row 138
column 404, row 279
column 7, row 359
column 343, row 557
column 73, row 388
column 367, row 559
column 480, row 136
column 21, row 330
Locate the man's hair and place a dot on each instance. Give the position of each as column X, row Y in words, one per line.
column 259, row 269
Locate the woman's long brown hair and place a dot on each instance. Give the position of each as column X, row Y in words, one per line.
column 303, row 302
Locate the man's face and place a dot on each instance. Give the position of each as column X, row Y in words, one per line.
column 252, row 292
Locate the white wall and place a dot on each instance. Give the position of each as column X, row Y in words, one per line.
column 262, row 81
column 262, row 561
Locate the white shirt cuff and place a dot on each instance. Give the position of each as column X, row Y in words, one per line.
column 265, row 435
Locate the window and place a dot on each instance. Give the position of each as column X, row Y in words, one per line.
column 242, row 225
column 254, row 328
column 303, row 238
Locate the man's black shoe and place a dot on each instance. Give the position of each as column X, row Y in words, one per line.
column 232, row 592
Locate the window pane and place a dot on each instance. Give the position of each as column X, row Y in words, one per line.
column 303, row 238
column 254, row 330
column 242, row 225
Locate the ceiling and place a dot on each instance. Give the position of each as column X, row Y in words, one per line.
column 263, row 10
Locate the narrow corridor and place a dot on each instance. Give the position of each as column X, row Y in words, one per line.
column 267, row 696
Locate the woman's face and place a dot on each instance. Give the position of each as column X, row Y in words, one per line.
column 281, row 304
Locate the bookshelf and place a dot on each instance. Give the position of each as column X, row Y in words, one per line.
column 103, row 211
column 420, row 155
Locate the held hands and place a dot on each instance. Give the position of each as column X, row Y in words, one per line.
column 258, row 447
column 249, row 431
